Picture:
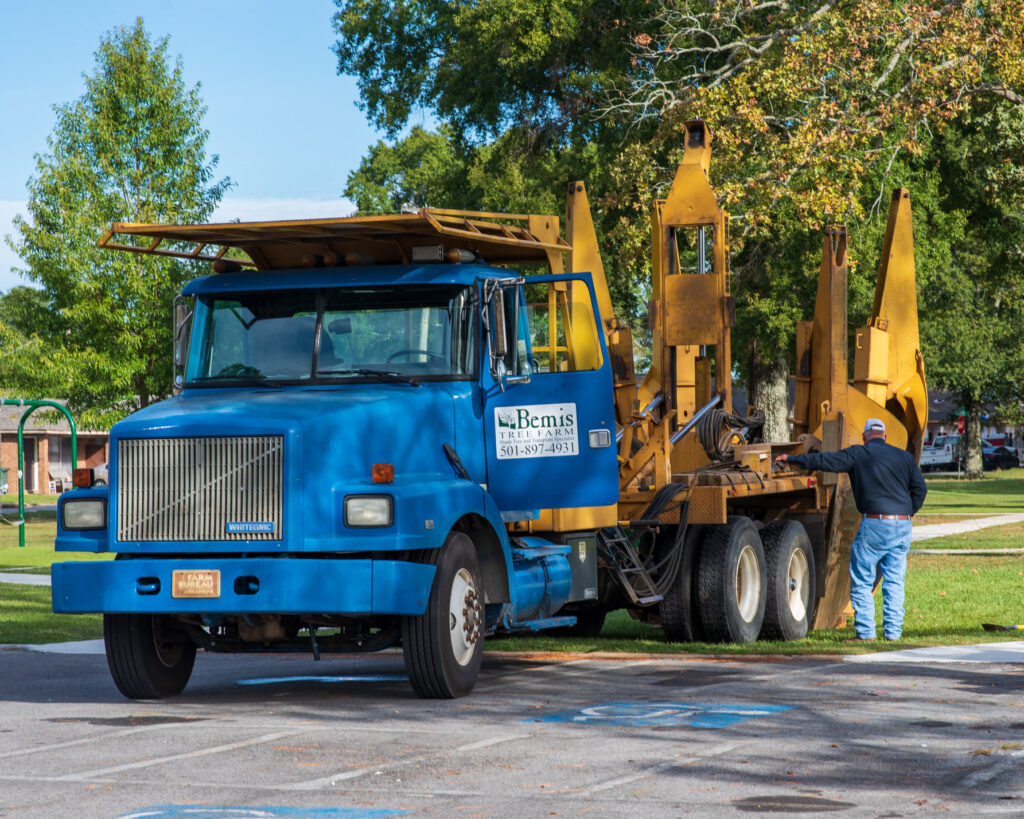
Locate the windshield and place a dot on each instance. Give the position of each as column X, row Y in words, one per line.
column 407, row 333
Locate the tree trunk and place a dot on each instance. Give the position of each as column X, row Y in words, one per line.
column 769, row 392
column 971, row 446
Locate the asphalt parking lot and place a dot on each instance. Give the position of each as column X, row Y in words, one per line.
column 271, row 735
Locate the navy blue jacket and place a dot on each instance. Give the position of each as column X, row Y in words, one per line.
column 885, row 479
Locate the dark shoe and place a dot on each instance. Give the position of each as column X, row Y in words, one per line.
column 859, row 640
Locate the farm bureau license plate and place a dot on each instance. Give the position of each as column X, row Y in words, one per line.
column 195, row 583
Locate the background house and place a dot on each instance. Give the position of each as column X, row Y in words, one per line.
column 48, row 461
column 943, row 409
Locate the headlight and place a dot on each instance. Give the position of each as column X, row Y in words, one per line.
column 368, row 510
column 87, row 513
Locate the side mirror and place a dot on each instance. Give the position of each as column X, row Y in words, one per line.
column 182, row 331
column 502, row 335
column 499, row 345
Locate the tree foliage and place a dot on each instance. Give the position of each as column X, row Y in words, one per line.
column 973, row 307
column 487, row 65
column 130, row 149
column 814, row 104
column 820, row 107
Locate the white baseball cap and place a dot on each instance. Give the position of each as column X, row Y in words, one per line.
column 874, row 425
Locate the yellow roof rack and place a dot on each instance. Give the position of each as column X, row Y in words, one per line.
column 496, row 238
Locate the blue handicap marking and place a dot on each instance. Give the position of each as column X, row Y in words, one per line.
column 326, row 679
column 695, row 715
column 243, row 812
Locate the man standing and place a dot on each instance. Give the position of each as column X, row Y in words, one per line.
column 889, row 489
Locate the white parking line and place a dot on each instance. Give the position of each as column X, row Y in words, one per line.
column 487, row 743
column 653, row 769
column 38, row 749
column 100, row 773
column 342, row 776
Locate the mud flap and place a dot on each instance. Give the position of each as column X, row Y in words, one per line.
column 842, row 528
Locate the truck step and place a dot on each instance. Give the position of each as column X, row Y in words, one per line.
column 617, row 551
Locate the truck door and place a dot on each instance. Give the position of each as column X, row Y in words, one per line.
column 549, row 413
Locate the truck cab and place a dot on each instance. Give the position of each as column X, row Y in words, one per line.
column 339, row 471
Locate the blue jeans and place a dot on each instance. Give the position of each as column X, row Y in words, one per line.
column 880, row 548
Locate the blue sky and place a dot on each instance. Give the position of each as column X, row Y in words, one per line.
column 284, row 123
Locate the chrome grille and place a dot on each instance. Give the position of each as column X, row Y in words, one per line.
column 193, row 488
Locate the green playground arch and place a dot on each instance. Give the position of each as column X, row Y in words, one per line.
column 31, row 405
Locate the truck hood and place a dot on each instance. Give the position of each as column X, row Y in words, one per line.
column 339, row 430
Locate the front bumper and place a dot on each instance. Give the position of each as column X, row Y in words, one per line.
column 282, row 586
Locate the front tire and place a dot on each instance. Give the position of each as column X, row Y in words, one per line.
column 789, row 568
column 731, row 588
column 148, row 657
column 443, row 648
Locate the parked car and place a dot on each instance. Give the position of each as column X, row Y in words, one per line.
column 941, row 453
column 998, row 457
column 99, row 475
column 994, row 457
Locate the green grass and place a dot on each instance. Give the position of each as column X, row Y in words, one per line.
column 11, row 499
column 29, row 619
column 26, row 615
column 998, row 492
column 38, row 552
column 948, row 596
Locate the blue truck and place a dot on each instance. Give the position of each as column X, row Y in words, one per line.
column 338, row 472
column 388, row 432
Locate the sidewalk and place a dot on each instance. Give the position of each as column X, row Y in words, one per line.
column 980, row 653
column 961, row 527
column 25, row 579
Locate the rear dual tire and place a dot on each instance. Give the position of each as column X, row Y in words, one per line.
column 789, row 565
column 736, row 584
column 730, row 591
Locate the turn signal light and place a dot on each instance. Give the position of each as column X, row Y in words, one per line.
column 82, row 478
column 383, row 473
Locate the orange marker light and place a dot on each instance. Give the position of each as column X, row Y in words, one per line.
column 82, row 478
column 383, row 473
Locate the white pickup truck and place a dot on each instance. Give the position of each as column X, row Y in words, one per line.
column 941, row 453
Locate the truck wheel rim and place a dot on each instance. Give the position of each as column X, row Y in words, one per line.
column 798, row 584
column 168, row 651
column 463, row 617
column 748, row 584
